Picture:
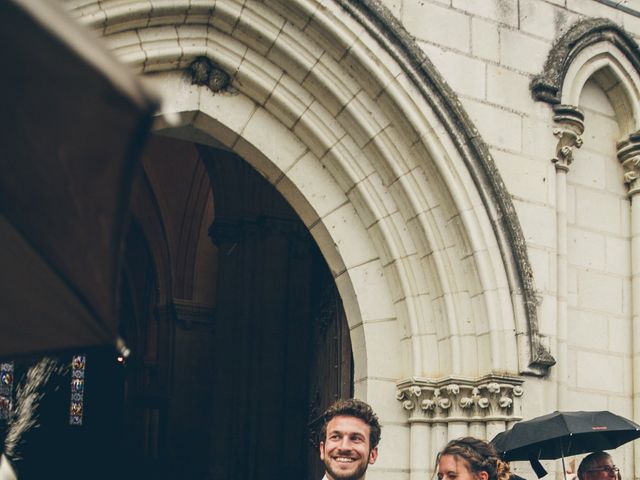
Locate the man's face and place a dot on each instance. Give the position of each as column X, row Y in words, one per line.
column 346, row 451
column 604, row 469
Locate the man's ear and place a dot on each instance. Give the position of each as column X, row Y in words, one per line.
column 321, row 450
column 373, row 455
column 482, row 475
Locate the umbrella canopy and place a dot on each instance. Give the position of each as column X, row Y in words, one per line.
column 561, row 434
column 73, row 122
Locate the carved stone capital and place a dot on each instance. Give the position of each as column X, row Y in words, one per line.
column 191, row 315
column 455, row 399
column 629, row 157
column 570, row 125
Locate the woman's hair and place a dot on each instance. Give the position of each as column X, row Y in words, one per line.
column 480, row 456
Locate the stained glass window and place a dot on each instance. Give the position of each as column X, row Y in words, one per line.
column 78, row 364
column 6, row 389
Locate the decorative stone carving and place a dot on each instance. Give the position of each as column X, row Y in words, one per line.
column 570, row 122
column 492, row 397
column 629, row 157
column 205, row 72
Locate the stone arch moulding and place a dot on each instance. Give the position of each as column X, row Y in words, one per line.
column 336, row 106
column 591, row 48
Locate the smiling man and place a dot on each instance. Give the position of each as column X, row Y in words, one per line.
column 349, row 440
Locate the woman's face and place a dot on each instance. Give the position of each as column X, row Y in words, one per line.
column 452, row 467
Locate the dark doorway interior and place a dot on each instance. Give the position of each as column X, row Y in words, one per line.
column 248, row 374
column 282, row 350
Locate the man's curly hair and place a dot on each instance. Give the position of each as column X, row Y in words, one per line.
column 352, row 407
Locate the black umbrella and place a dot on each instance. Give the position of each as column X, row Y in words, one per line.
column 561, row 434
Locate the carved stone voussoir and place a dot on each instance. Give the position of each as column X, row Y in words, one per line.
column 492, row 397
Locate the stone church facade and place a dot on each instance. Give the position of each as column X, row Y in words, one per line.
column 467, row 170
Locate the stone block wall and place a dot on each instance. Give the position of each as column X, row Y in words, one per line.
column 488, row 52
column 328, row 135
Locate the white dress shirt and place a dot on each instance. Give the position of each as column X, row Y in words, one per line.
column 6, row 470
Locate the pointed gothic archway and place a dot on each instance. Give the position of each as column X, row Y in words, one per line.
column 335, row 106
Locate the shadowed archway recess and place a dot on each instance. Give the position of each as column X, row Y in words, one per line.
column 337, row 107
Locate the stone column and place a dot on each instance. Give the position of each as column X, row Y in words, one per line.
column 478, row 429
column 421, row 444
column 570, row 125
column 629, row 156
column 438, row 441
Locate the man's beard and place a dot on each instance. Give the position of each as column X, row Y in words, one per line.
column 359, row 473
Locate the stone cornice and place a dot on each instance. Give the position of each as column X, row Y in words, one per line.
column 547, row 87
column 459, row 399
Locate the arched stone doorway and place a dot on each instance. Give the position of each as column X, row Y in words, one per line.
column 335, row 105
column 247, row 368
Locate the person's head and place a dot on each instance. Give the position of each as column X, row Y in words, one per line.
column 470, row 458
column 349, row 439
column 597, row 466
